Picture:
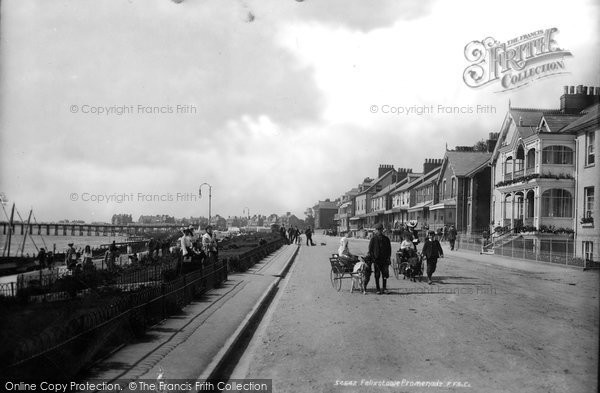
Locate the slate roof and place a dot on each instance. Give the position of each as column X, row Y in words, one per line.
column 463, row 162
column 558, row 122
column 592, row 116
column 326, row 205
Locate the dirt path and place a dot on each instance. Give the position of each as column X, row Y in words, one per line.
column 483, row 327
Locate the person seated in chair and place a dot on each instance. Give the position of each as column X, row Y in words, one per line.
column 344, row 254
column 407, row 247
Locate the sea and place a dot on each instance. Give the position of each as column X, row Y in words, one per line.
column 54, row 243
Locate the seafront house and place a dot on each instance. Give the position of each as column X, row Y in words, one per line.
column 464, row 190
column 363, row 220
column 424, row 193
column 587, row 175
column 534, row 166
column 381, row 205
column 324, row 212
column 345, row 211
column 534, row 169
column 401, row 199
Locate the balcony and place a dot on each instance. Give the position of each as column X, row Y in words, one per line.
column 530, row 171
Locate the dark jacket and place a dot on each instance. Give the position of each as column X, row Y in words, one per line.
column 432, row 249
column 452, row 234
column 380, row 249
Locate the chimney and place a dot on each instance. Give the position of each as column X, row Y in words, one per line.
column 383, row 169
column 578, row 98
column 493, row 139
column 402, row 173
column 430, row 164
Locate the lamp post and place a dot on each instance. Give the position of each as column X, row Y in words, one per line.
column 247, row 211
column 209, row 197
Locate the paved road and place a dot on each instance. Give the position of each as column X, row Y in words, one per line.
column 487, row 325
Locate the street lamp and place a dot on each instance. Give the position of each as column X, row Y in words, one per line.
column 209, row 197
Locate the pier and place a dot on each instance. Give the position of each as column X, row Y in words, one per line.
column 71, row 229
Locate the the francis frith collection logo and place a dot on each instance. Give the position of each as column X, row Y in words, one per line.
column 516, row 62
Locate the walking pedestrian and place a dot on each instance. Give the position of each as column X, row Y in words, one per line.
column 88, row 263
column 71, row 257
column 42, row 258
column 380, row 251
column 452, row 237
column 308, row 234
column 432, row 250
column 209, row 245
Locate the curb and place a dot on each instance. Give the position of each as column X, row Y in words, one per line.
column 247, row 326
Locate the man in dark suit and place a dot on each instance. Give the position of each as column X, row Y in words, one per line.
column 432, row 250
column 380, row 251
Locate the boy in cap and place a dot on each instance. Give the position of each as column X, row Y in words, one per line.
column 432, row 250
column 380, row 251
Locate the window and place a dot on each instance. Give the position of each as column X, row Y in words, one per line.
column 508, row 206
column 453, row 188
column 443, row 189
column 590, row 138
column 588, row 251
column 531, row 159
column 557, row 203
column 557, row 155
column 508, row 166
column 588, row 202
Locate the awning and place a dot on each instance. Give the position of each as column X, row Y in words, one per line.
column 443, row 205
column 355, row 218
column 420, row 206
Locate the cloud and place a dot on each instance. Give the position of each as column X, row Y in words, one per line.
column 281, row 105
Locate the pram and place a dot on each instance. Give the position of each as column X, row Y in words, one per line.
column 409, row 264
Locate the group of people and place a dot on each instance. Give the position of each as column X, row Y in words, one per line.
column 380, row 251
column 198, row 249
column 293, row 235
column 449, row 234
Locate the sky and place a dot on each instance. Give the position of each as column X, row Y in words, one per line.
column 128, row 106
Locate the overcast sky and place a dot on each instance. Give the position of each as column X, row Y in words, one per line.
column 280, row 94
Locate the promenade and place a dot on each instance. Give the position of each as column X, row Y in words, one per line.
column 194, row 343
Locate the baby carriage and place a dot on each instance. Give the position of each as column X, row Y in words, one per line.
column 411, row 265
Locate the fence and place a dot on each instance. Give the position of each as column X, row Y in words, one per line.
column 85, row 338
column 558, row 251
column 93, row 334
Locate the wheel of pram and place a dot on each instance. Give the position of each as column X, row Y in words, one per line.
column 336, row 279
column 396, row 268
column 403, row 269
